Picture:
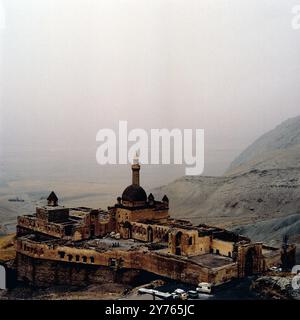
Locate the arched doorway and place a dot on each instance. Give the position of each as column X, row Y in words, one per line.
column 92, row 231
column 128, row 229
column 166, row 237
column 2, row 278
column 178, row 243
column 249, row 262
column 149, row 234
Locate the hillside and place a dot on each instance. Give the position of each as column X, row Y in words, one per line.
column 7, row 247
column 272, row 231
column 260, row 184
column 280, row 144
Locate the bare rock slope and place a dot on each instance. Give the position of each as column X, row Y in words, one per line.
column 261, row 184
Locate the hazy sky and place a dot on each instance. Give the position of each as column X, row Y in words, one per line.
column 71, row 67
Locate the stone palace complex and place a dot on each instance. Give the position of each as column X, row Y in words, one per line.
column 133, row 238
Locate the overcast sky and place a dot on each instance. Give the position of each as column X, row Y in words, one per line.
column 72, row 67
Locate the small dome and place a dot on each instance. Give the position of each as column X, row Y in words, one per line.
column 134, row 193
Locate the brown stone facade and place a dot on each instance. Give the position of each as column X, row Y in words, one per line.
column 75, row 224
column 43, row 273
column 82, row 245
column 115, row 260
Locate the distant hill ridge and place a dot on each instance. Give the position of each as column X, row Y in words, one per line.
column 282, row 143
column 263, row 182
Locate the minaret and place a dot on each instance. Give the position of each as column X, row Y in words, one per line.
column 136, row 170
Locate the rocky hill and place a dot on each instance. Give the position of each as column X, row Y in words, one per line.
column 278, row 148
column 272, row 231
column 262, row 183
column 276, row 287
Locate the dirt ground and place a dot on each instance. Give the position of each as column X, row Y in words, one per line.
column 111, row 291
column 7, row 247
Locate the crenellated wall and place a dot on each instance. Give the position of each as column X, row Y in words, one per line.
column 92, row 225
column 42, row 226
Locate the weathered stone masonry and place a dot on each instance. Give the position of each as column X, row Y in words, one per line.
column 77, row 246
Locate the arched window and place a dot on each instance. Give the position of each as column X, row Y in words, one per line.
column 150, row 234
column 61, row 254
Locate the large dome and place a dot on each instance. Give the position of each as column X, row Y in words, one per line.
column 134, row 193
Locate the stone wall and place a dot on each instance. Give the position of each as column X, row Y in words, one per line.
column 82, row 230
column 224, row 274
column 188, row 242
column 192, row 244
column 55, row 214
column 123, row 214
column 149, row 233
column 224, row 248
column 43, row 273
column 250, row 259
column 173, row 267
column 272, row 260
column 41, row 226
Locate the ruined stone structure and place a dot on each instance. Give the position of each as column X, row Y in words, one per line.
column 77, row 246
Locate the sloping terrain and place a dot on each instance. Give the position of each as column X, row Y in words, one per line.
column 272, row 231
column 7, row 247
column 261, row 184
column 243, row 198
column 272, row 145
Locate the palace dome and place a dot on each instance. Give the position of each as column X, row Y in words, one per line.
column 134, row 193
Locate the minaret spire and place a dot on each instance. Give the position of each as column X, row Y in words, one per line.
column 136, row 170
